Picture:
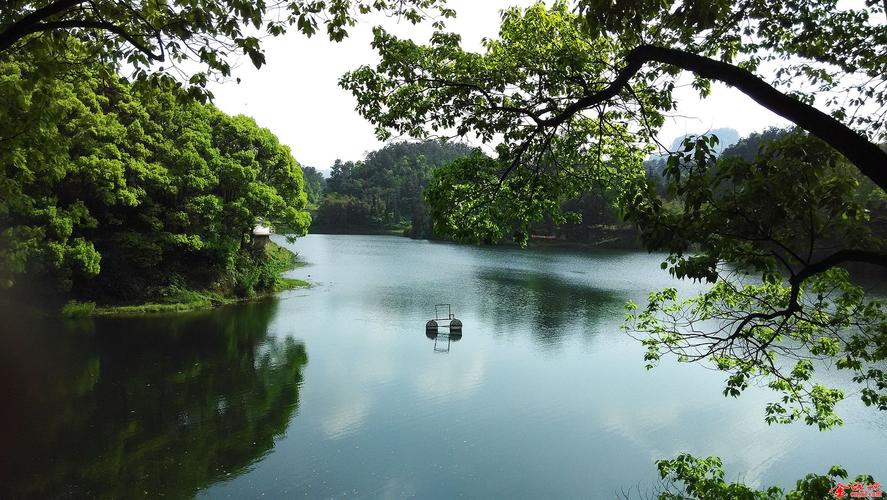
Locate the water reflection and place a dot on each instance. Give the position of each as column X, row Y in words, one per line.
column 134, row 407
column 442, row 340
column 548, row 303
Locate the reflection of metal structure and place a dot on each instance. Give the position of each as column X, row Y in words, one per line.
column 443, row 318
column 438, row 339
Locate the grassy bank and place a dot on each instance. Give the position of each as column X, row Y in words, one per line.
column 265, row 280
column 361, row 230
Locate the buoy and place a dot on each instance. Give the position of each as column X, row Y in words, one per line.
column 431, row 325
column 455, row 325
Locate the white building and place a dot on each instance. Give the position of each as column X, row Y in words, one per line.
column 261, row 235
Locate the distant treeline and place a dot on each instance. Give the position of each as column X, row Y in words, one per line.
column 384, row 192
column 381, row 193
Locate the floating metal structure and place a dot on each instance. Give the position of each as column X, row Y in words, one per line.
column 443, row 318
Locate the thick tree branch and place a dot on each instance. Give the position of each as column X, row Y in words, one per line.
column 835, row 259
column 838, row 258
column 868, row 157
column 24, row 26
column 611, row 91
column 101, row 25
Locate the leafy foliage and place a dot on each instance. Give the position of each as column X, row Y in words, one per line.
column 469, row 187
column 574, row 109
column 571, row 96
column 314, row 184
column 385, row 189
column 157, row 40
column 814, row 48
column 690, row 477
column 541, row 59
column 112, row 189
column 765, row 232
column 575, row 101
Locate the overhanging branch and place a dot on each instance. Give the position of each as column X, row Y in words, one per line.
column 794, row 306
column 868, row 157
column 838, row 258
column 24, row 26
column 101, row 25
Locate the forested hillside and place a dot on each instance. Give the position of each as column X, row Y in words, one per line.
column 315, row 184
column 384, row 191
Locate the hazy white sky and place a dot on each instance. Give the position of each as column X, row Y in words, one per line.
column 296, row 94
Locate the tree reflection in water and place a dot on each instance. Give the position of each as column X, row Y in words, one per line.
column 159, row 406
column 548, row 303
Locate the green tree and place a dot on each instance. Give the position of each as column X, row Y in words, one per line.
column 388, row 182
column 314, row 184
column 690, row 477
column 343, row 212
column 771, row 235
column 160, row 39
column 575, row 102
column 112, row 189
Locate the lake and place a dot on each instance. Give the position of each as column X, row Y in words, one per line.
column 336, row 391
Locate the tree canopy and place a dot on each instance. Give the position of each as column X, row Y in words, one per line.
column 107, row 178
column 574, row 102
column 159, row 39
column 551, row 71
column 385, row 189
column 113, row 185
column 314, row 184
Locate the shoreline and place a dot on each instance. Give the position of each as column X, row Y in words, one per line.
column 187, row 300
column 616, row 240
column 212, row 301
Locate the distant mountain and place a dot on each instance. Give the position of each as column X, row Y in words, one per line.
column 726, row 136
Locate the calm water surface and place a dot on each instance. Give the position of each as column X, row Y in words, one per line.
column 337, row 392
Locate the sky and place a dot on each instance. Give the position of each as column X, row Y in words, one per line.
column 296, row 94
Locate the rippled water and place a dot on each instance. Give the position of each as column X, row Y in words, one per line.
column 337, row 391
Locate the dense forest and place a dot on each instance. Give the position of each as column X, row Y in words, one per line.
column 383, row 191
column 593, row 217
column 315, row 183
column 125, row 193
